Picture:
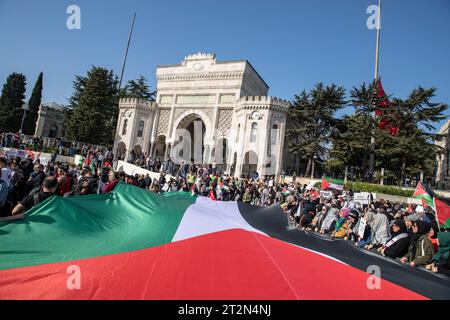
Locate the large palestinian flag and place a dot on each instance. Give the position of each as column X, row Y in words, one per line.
column 133, row 244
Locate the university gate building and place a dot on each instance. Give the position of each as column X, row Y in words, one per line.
column 207, row 111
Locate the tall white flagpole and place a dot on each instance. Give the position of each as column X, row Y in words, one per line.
column 377, row 59
column 126, row 51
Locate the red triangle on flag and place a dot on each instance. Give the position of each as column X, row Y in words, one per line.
column 325, row 184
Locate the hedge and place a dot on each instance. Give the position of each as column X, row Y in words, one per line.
column 375, row 188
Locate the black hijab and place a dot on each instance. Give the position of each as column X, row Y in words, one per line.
column 401, row 225
column 422, row 229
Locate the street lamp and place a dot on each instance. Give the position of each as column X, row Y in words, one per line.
column 25, row 108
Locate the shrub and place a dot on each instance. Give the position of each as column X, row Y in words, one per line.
column 376, row 188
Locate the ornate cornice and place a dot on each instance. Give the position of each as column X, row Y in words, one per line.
column 200, row 76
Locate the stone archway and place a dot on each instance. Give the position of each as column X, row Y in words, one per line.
column 189, row 142
column 160, row 146
column 121, row 151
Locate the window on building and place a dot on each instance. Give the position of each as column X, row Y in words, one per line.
column 253, row 132
column 140, row 129
column 124, row 128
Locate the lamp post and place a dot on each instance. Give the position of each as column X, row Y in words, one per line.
column 25, row 108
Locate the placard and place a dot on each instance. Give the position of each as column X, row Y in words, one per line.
column 326, row 194
column 362, row 227
column 362, row 197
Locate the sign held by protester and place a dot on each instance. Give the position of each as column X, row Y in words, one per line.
column 362, row 228
column 362, row 197
column 326, row 194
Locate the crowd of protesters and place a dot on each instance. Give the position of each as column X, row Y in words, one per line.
column 398, row 231
column 405, row 232
column 58, row 146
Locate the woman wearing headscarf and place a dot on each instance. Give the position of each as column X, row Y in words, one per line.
column 442, row 257
column 380, row 231
column 343, row 224
column 432, row 235
column 367, row 236
column 420, row 251
column 329, row 221
column 320, row 216
column 398, row 243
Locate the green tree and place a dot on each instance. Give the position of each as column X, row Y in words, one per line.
column 95, row 107
column 11, row 102
column 313, row 117
column 139, row 89
column 350, row 144
column 409, row 151
column 33, row 104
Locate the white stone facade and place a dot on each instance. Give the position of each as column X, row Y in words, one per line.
column 443, row 158
column 51, row 121
column 220, row 104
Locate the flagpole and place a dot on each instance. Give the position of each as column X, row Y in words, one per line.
column 126, row 51
column 377, row 60
column 437, row 217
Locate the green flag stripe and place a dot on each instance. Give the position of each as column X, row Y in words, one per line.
column 334, row 181
column 63, row 229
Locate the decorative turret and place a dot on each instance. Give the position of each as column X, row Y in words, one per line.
column 199, row 56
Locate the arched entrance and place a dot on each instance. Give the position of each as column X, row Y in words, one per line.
column 121, row 151
column 53, row 131
column 160, row 146
column 137, row 149
column 189, row 139
column 250, row 163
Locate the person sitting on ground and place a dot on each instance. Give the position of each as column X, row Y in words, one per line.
column 329, row 222
column 342, row 224
column 398, row 243
column 441, row 260
column 49, row 187
column 352, row 230
column 380, row 230
column 367, row 235
column 432, row 235
column 409, row 221
column 420, row 251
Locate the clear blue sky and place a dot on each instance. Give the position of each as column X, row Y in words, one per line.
column 292, row 44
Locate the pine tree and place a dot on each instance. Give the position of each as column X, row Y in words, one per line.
column 95, row 107
column 313, row 117
column 11, row 102
column 350, row 144
column 33, row 104
column 411, row 150
column 139, row 89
